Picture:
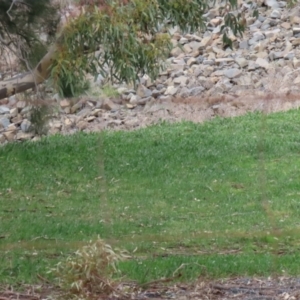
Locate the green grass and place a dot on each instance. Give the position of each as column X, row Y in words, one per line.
column 222, row 198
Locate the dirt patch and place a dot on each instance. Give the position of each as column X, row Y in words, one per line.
column 235, row 288
column 199, row 109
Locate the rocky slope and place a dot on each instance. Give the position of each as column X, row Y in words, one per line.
column 203, row 79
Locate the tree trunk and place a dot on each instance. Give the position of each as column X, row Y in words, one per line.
column 28, row 80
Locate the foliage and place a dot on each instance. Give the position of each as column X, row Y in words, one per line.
column 89, row 271
column 39, row 117
column 130, row 38
column 120, row 39
column 18, row 27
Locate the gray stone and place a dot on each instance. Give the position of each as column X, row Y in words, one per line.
column 142, row 91
column 296, row 80
column 242, row 62
column 252, row 66
column 12, row 100
column 176, row 51
column 156, row 93
column 207, row 71
column 275, row 14
column 2, row 138
column 13, row 112
column 196, row 91
column 195, row 45
column 84, row 113
column 232, row 73
column 271, row 3
column 182, row 80
column 184, row 92
column 4, row 121
column 192, row 61
column 171, row 90
column 108, row 104
column 262, row 63
column 9, row 135
column 244, row 80
column 122, row 90
column 4, row 110
column 26, row 110
column 81, row 125
column 209, row 62
column 25, row 125
column 244, row 45
column 143, row 101
column 76, row 107
column 134, row 99
column 23, row 136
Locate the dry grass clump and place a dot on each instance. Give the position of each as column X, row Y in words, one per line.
column 89, row 272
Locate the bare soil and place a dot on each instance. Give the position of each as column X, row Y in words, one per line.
column 233, row 288
column 196, row 110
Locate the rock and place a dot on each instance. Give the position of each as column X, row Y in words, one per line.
column 114, row 123
column 275, row 14
column 192, row 61
column 12, row 100
column 77, row 106
column 196, row 91
column 64, row 103
column 181, row 80
column 143, row 101
column 215, row 22
column 286, row 25
column 271, row 3
column 252, row 66
column 262, row 63
column 109, row 105
column 84, row 112
column 56, row 124
column 142, row 91
column 81, row 125
column 296, row 63
column 134, row 99
column 9, row 135
column 17, row 119
column 176, row 51
column 130, row 106
column 90, row 118
column 4, row 110
column 232, row 73
column 171, row 90
column 2, row 138
column 122, row 90
column 187, row 49
column 156, row 93
column 224, row 60
column 244, row 45
column 23, row 136
column 5, row 122
column 245, row 80
column 13, row 112
column 25, row 125
column 26, row 110
column 242, row 62
column 207, row 71
column 296, row 80
column 205, row 42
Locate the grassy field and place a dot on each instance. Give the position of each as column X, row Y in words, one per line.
column 222, row 198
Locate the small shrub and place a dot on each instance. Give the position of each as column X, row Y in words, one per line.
column 40, row 114
column 89, row 271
